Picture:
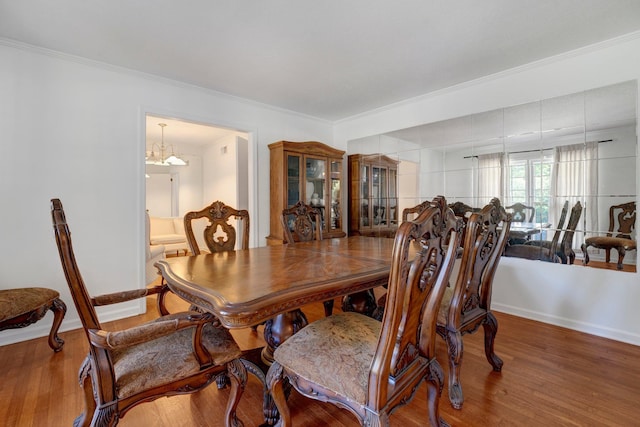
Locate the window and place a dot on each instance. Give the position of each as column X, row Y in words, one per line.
column 529, row 182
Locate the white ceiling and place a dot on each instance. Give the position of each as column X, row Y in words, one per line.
column 329, row 59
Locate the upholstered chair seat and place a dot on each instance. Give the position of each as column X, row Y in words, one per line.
column 136, row 366
column 328, row 351
column 21, row 307
column 620, row 244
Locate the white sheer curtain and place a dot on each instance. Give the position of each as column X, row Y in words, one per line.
column 575, row 178
column 491, row 178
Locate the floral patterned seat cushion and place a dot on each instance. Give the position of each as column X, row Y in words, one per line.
column 137, row 367
column 15, row 302
column 334, row 352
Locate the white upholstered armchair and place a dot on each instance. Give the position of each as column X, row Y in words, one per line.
column 153, row 253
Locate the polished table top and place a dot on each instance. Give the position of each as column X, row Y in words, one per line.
column 247, row 287
column 525, row 229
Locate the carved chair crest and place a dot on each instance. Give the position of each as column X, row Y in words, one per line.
column 219, row 234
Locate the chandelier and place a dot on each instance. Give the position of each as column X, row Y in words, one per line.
column 159, row 158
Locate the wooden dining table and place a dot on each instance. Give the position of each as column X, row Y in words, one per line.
column 270, row 283
column 522, row 231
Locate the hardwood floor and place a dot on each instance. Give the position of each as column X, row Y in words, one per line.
column 551, row 377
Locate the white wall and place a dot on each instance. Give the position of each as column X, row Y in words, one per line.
column 597, row 301
column 220, row 176
column 74, row 130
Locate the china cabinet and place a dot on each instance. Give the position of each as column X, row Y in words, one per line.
column 373, row 195
column 308, row 171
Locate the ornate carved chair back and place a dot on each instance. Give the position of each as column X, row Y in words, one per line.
column 81, row 298
column 519, row 212
column 565, row 250
column 423, row 257
column 219, row 234
column 625, row 214
column 416, row 210
column 467, row 305
column 301, row 223
column 556, row 234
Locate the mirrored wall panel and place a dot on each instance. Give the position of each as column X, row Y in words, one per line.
column 565, row 167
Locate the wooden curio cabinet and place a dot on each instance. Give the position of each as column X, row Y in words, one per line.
column 311, row 172
column 373, row 195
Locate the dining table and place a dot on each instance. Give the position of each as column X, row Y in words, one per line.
column 269, row 284
column 520, row 232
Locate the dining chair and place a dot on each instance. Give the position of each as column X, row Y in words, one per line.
column 565, row 251
column 519, row 212
column 303, row 223
column 415, row 210
column 219, row 234
column 371, row 367
column 556, row 235
column 174, row 354
column 622, row 222
column 467, row 304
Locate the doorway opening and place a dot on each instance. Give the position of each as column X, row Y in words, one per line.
column 218, row 167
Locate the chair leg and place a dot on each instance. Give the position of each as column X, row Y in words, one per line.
column 490, row 330
column 84, row 378
column 585, row 260
column 275, row 383
column 372, row 419
column 435, row 383
column 59, row 309
column 455, row 348
column 621, row 253
column 161, row 299
column 328, row 308
column 237, row 374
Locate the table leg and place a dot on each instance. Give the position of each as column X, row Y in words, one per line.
column 363, row 302
column 278, row 329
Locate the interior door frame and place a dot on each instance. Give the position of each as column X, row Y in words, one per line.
column 252, row 167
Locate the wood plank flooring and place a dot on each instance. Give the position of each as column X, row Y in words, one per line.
column 551, row 377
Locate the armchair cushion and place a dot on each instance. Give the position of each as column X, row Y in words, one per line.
column 136, row 367
column 168, row 232
column 166, row 239
column 15, row 302
column 347, row 354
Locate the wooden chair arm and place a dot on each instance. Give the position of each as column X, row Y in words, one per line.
column 124, row 296
column 150, row 331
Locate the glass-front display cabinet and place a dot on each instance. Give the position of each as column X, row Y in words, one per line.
column 373, row 195
column 310, row 172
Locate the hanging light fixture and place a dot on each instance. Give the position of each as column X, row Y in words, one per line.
column 159, row 158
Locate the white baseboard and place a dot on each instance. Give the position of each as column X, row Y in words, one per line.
column 589, row 328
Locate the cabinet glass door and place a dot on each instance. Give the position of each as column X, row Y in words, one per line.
column 393, row 197
column 364, row 198
column 293, row 180
column 379, row 195
column 315, row 195
column 336, row 214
